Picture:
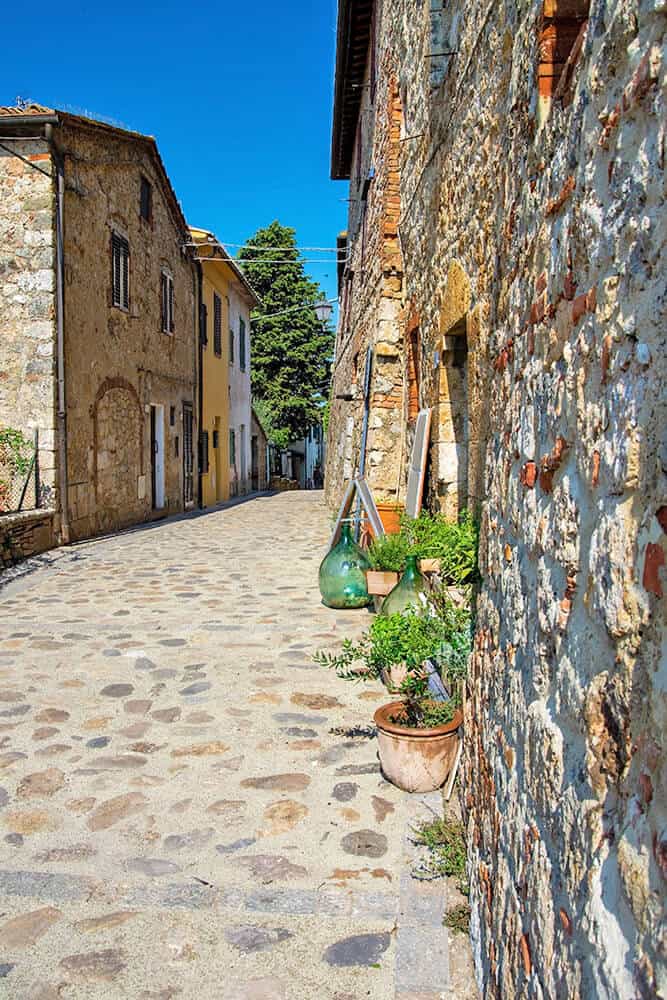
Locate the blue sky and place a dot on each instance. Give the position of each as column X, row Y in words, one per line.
column 238, row 96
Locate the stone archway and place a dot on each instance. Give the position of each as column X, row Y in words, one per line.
column 118, row 458
column 461, row 417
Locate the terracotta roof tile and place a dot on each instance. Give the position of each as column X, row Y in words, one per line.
column 27, row 109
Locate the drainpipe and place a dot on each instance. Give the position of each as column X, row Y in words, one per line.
column 60, row 336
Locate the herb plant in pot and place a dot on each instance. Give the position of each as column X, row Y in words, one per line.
column 387, row 556
column 417, row 736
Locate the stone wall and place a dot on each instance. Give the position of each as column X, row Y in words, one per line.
column 371, row 309
column 27, row 300
column 531, row 231
column 25, row 534
column 119, row 363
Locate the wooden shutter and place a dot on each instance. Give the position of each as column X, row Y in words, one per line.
column 171, row 304
column 120, row 271
column 163, row 301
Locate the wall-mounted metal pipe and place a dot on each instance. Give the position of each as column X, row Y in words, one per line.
column 61, row 421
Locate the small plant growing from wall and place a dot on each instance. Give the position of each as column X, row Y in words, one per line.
column 16, row 453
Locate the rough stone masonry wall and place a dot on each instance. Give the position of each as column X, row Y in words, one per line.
column 371, row 308
column 119, row 362
column 27, row 300
column 558, row 231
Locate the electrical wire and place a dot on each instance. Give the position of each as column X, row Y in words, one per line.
column 252, row 246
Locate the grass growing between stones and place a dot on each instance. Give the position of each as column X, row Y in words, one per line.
column 445, row 845
column 458, row 919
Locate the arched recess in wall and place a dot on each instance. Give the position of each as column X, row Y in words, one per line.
column 118, row 454
column 460, row 425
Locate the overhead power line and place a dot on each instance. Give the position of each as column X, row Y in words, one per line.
column 253, row 246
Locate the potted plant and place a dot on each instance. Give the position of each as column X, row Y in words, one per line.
column 448, row 548
column 387, row 556
column 417, row 735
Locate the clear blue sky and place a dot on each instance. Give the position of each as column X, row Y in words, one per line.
column 238, row 95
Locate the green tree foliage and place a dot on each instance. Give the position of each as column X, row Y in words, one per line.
column 291, row 354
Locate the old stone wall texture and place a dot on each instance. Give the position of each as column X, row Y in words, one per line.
column 25, row 534
column 119, row 363
column 531, row 239
column 27, row 300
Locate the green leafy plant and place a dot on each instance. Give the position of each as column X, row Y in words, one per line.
column 15, row 451
column 403, row 640
column 454, row 543
column 444, row 839
column 389, row 552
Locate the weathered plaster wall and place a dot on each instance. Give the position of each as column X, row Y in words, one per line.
column 27, row 300
column 239, row 394
column 553, row 235
column 119, row 362
column 215, row 410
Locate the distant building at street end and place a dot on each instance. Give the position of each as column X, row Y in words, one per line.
column 225, row 443
column 98, row 319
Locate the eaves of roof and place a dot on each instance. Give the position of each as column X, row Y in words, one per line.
column 205, row 238
column 352, row 42
column 24, row 118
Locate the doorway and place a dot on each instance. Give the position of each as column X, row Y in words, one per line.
column 244, row 464
column 188, row 462
column 157, row 456
column 254, row 463
column 217, row 451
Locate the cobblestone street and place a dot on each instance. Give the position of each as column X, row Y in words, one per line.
column 189, row 806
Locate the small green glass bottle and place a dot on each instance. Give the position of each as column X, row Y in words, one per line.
column 406, row 592
column 343, row 574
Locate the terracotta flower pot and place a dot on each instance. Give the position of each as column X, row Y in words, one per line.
column 429, row 565
column 390, row 515
column 380, row 582
column 416, row 760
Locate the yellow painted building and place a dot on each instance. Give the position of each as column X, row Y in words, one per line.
column 222, row 284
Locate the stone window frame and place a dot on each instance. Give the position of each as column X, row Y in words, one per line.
column 120, row 270
column 167, row 311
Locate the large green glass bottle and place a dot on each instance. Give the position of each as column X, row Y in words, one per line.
column 343, row 574
column 407, row 590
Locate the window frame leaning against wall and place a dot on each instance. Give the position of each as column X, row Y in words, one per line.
column 167, row 324
column 217, row 325
column 120, row 271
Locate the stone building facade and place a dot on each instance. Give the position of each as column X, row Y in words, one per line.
column 505, row 239
column 99, row 340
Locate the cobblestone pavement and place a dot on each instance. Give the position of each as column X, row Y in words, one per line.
column 189, row 807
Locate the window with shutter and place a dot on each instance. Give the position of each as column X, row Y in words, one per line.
column 120, row 271
column 242, row 357
column 166, row 302
column 203, row 456
column 231, row 346
column 217, row 325
column 146, row 200
column 232, row 447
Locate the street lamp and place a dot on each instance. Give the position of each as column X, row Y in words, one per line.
column 323, row 311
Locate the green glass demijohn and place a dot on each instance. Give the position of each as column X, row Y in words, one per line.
column 406, row 592
column 343, row 574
